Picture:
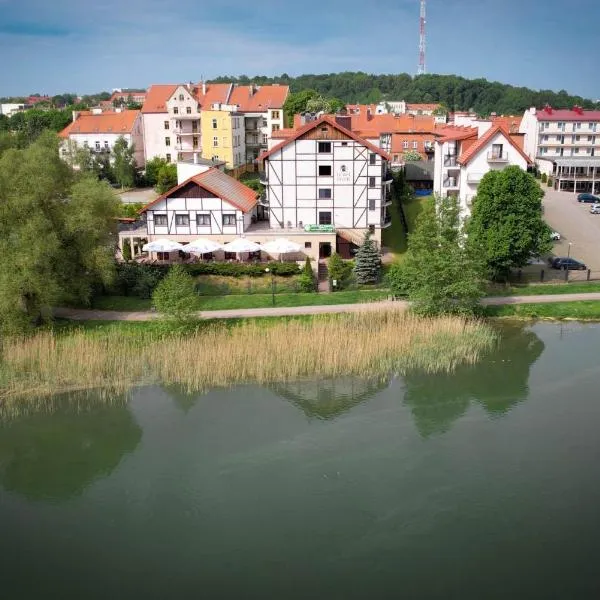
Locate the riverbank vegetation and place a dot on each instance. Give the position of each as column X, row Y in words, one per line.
column 582, row 310
column 367, row 344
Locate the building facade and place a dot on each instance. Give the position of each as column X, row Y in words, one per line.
column 99, row 132
column 565, row 144
column 224, row 135
column 463, row 157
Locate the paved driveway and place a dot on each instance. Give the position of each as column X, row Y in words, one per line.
column 577, row 225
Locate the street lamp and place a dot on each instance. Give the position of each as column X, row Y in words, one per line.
column 567, row 265
column 267, row 270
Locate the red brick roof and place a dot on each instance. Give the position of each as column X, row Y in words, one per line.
column 313, row 125
column 551, row 114
column 221, row 185
column 509, row 123
column 156, row 98
column 106, row 122
column 422, row 106
column 448, row 133
column 475, row 148
column 259, row 99
column 216, row 93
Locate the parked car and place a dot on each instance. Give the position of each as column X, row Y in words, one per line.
column 588, row 198
column 555, row 236
column 566, row 263
column 595, row 210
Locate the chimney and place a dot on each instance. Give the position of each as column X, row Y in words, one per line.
column 195, row 158
column 533, row 110
column 369, row 113
column 204, row 88
column 75, row 115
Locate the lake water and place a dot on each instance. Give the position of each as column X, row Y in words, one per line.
column 479, row 485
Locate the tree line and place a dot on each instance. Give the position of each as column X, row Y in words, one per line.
column 454, row 92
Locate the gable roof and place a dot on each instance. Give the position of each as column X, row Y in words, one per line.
column 105, row 122
column 422, row 106
column 510, row 123
column 577, row 114
column 475, row 148
column 220, row 184
column 216, row 93
column 313, row 125
column 448, row 133
column 259, row 99
column 156, row 98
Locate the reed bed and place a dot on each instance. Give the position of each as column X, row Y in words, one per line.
column 367, row 344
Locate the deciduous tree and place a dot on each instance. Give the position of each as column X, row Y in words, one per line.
column 175, row 296
column 124, row 163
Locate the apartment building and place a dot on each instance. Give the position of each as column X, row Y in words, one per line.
column 399, row 107
column 172, row 116
column 324, row 178
column 463, row 155
column 98, row 131
column 565, row 144
column 223, row 135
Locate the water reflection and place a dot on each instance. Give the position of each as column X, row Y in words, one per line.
column 329, row 398
column 497, row 383
column 55, row 453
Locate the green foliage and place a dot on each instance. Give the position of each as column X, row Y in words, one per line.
column 256, row 185
column 506, row 227
column 340, row 271
column 544, row 178
column 283, row 269
column 306, row 283
column 175, row 296
column 307, row 268
column 130, row 210
column 127, row 251
column 367, row 267
column 550, row 182
column 57, row 234
column 412, row 155
column 166, row 177
column 310, row 101
column 124, row 163
column 153, row 166
column 440, row 273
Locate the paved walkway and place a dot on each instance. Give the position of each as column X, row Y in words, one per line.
column 77, row 314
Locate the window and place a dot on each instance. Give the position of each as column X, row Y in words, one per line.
column 576, row 151
column 175, row 111
column 97, row 145
column 167, row 141
column 168, row 158
column 214, row 123
column 180, row 156
column 371, row 204
column 275, row 127
column 415, row 145
column 182, row 220
column 188, row 110
column 324, row 193
column 546, row 138
column 162, row 255
column 160, row 220
column 228, row 220
column 215, row 142
column 265, row 139
column 372, row 158
column 324, row 218
column 178, row 139
column 395, row 158
column 344, row 143
column 308, row 244
column 202, row 220
column 194, row 126
column 85, row 144
column 577, row 138
column 578, row 125
column 275, row 114
column 324, row 148
column 405, row 145
column 195, row 142
column 324, row 170
column 166, row 124
column 372, row 182
column 105, row 145
column 230, row 256
column 180, row 97
column 264, row 123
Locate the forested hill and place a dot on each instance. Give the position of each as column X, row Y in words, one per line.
column 457, row 93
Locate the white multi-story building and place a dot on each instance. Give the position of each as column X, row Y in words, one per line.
column 463, row 157
column 8, row 110
column 99, row 131
column 172, row 117
column 326, row 178
column 565, row 144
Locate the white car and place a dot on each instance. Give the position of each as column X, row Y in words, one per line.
column 555, row 236
column 595, row 210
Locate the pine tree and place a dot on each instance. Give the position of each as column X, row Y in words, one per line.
column 368, row 263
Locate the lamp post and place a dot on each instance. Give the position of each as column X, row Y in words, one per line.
column 567, row 265
column 267, row 270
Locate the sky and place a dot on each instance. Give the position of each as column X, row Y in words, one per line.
column 84, row 47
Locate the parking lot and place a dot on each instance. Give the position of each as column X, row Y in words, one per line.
column 576, row 225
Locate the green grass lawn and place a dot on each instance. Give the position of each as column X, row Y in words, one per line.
column 546, row 288
column 582, row 310
column 394, row 237
column 234, row 301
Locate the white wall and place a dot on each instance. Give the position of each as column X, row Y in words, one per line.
column 187, row 170
column 155, row 134
column 10, row 109
column 530, row 127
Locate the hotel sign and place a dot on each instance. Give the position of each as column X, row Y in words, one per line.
column 342, row 174
column 319, row 229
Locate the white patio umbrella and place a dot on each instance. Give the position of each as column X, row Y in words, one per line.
column 202, row 246
column 162, row 246
column 281, row 246
column 241, row 245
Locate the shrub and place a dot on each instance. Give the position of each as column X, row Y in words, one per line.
column 340, row 271
column 306, row 283
column 243, row 270
column 126, row 250
column 307, row 269
column 550, row 181
column 544, row 178
column 175, row 295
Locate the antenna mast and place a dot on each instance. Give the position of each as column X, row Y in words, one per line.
column 421, row 70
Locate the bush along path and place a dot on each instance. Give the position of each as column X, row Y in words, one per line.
column 107, row 315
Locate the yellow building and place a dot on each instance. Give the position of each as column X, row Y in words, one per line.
column 223, row 134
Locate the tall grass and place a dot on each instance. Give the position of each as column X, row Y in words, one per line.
column 361, row 344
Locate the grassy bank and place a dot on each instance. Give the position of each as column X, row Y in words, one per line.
column 368, row 345
column 394, row 237
column 545, row 288
column 582, row 310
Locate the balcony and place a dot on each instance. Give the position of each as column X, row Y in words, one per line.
column 253, row 141
column 451, row 182
column 178, row 131
column 450, row 160
column 497, row 157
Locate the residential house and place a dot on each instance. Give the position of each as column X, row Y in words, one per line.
column 9, row 109
column 99, row 131
column 124, row 96
column 463, row 156
column 565, row 144
column 223, row 135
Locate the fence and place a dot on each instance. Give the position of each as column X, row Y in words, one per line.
column 239, row 171
column 547, row 275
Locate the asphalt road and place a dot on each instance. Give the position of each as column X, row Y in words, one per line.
column 576, row 225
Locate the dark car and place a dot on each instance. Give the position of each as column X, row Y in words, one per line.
column 571, row 264
column 587, row 198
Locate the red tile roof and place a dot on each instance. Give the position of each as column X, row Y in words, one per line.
column 221, row 185
column 106, row 122
column 216, row 93
column 282, row 134
column 551, row 114
column 448, row 133
column 476, row 147
column 313, row 125
column 156, row 98
column 509, row 123
column 259, row 99
column 422, row 106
